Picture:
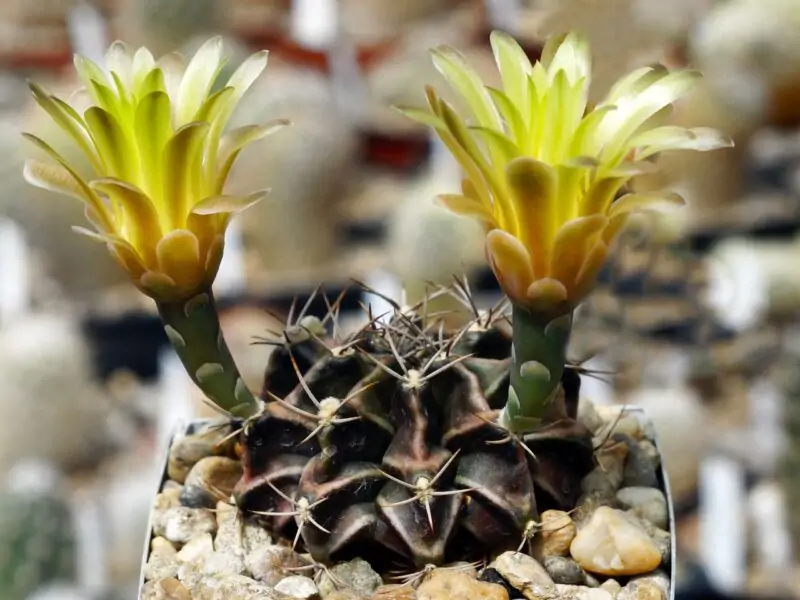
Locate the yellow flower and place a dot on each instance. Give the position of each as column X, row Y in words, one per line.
column 542, row 172
column 153, row 133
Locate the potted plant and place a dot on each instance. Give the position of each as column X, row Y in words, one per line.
column 459, row 462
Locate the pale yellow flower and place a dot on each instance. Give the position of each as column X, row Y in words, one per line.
column 154, row 135
column 543, row 172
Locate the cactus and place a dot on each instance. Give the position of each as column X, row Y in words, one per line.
column 36, row 533
column 404, row 441
column 355, row 430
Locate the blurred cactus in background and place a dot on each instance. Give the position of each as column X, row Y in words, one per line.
column 309, row 171
column 750, row 51
column 163, row 26
column 429, row 245
column 37, row 533
column 50, row 406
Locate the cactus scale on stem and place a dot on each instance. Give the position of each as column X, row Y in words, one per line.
column 193, row 328
column 402, row 441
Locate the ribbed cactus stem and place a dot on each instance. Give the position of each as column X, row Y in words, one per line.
column 194, row 330
column 538, row 358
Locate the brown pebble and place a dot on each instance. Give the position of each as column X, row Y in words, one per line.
column 189, row 450
column 216, row 474
column 169, row 498
column 444, row 585
column 557, row 532
column 166, row 589
column 395, row 591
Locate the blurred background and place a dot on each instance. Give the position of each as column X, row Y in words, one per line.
column 695, row 319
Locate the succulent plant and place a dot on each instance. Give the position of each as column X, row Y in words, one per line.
column 388, row 438
column 154, row 135
column 421, row 442
column 36, row 532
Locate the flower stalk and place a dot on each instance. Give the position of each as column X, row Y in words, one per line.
column 193, row 328
column 154, row 133
column 544, row 173
column 539, row 354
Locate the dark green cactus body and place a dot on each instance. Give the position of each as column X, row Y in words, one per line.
column 391, row 450
column 37, row 543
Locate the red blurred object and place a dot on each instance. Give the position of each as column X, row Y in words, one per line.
column 44, row 61
column 282, row 46
column 397, row 151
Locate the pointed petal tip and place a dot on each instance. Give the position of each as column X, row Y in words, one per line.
column 28, row 175
column 501, row 36
column 510, row 261
column 525, row 171
column 118, row 46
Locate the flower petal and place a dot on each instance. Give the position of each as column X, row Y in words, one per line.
column 88, row 71
column 479, row 183
column 66, row 118
column 586, row 278
column 510, row 262
column 421, row 116
column 142, row 65
column 626, row 170
column 154, row 81
column 533, row 186
column 546, row 294
column 669, row 137
column 198, row 79
column 466, row 207
column 571, row 58
column 497, row 142
column 215, row 205
column 215, row 105
column 633, row 111
column 112, row 144
column 104, row 96
column 517, row 122
column 634, row 82
column 178, row 255
column 514, row 67
column 458, row 72
column 121, row 250
column 585, row 140
column 234, row 141
column 504, row 210
column 141, row 223
column 182, row 156
column 555, row 136
column 118, row 60
column 159, row 286
column 153, row 129
column 91, row 197
column 54, row 178
column 247, row 73
column 571, row 245
column 657, row 201
column 600, row 195
column 172, row 67
column 214, row 258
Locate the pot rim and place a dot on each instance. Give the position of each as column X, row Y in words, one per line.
column 183, row 428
